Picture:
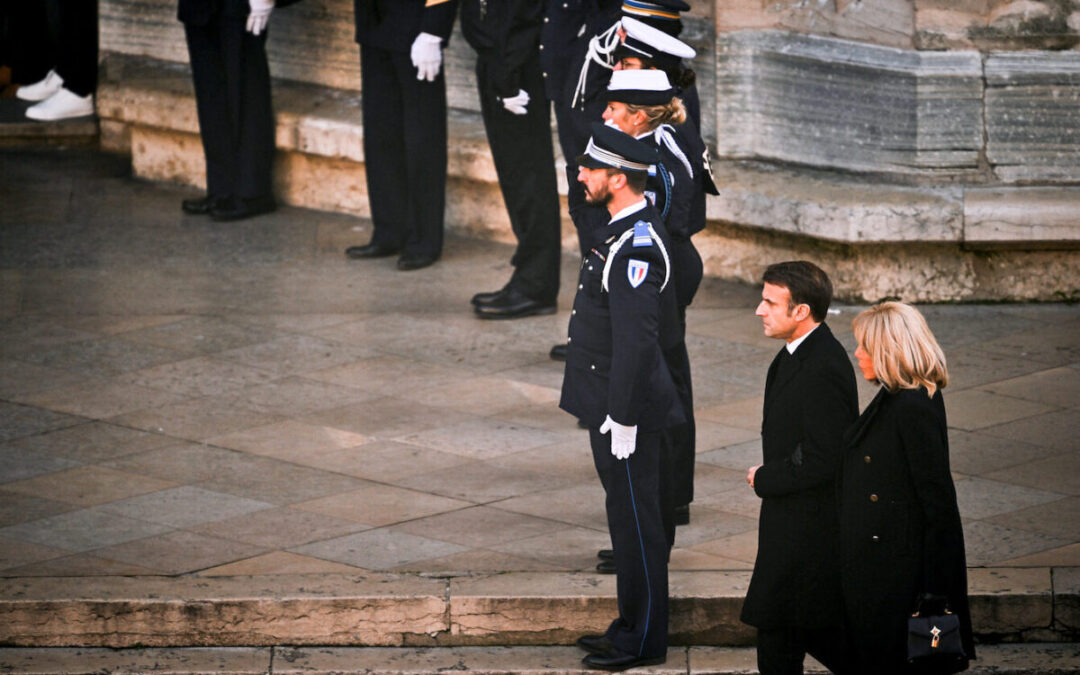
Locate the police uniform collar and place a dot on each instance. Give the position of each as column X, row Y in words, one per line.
column 629, row 211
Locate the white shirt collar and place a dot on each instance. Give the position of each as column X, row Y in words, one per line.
column 629, row 210
column 794, row 344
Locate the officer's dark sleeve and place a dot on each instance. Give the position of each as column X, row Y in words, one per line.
column 826, row 413
column 438, row 17
column 683, row 191
column 922, row 433
column 635, row 328
column 518, row 41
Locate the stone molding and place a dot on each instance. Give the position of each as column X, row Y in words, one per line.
column 514, row 608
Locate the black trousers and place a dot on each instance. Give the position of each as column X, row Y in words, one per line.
column 73, row 29
column 405, row 152
column 687, row 274
column 525, row 164
column 780, row 651
column 25, row 45
column 232, row 96
column 635, row 522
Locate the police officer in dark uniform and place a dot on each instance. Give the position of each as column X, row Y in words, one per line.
column 517, row 119
column 584, row 76
column 404, row 110
column 227, row 45
column 618, row 383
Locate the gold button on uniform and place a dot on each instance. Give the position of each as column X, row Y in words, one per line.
column 875, row 538
column 866, row 459
column 873, row 498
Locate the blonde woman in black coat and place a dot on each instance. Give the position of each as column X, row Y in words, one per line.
column 899, row 524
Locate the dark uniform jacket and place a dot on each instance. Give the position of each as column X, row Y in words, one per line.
column 199, row 12
column 394, row 24
column 507, row 34
column 679, row 195
column 810, row 399
column 569, row 24
column 614, row 360
column 899, row 524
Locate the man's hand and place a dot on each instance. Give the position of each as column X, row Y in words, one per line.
column 623, row 438
column 258, row 15
column 517, row 104
column 750, row 475
column 426, row 54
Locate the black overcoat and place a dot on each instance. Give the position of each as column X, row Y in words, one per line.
column 394, row 24
column 900, row 526
column 796, row 580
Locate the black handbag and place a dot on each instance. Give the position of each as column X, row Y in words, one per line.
column 933, row 640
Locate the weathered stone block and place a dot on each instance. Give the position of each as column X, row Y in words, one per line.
column 1067, row 598
column 1010, row 600
column 1033, row 116
column 843, row 105
column 1034, row 216
column 530, row 608
column 238, row 611
column 705, row 608
column 881, row 22
column 827, row 206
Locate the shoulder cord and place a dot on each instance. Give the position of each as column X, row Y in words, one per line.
column 619, row 244
column 600, row 48
column 665, row 134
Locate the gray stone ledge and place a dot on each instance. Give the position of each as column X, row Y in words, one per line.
column 1027, row 659
column 1031, row 216
column 525, row 608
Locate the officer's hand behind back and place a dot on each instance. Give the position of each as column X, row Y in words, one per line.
column 258, row 15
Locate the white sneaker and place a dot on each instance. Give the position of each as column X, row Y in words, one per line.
column 39, row 91
column 62, row 105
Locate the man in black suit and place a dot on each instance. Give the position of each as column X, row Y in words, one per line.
column 227, row 45
column 810, row 399
column 404, row 110
column 618, row 383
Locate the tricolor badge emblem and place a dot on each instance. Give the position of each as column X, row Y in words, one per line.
column 636, row 271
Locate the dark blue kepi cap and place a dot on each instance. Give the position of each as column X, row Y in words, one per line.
column 610, row 148
column 663, row 14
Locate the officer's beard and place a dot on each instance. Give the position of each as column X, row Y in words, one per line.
column 602, row 198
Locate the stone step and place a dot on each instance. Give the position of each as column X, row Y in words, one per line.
column 513, row 608
column 1025, row 659
column 924, row 243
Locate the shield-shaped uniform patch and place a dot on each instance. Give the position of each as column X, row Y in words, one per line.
column 636, row 271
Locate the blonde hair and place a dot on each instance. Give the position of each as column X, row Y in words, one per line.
column 672, row 112
column 902, row 349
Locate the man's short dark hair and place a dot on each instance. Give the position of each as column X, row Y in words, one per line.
column 807, row 283
column 635, row 179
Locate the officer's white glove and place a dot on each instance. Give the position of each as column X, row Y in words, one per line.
column 516, row 104
column 426, row 54
column 623, row 438
column 259, row 15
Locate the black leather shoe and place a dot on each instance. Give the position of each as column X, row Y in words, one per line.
column 558, row 352
column 606, row 567
column 370, row 251
column 413, row 261
column 487, row 298
column 615, row 661
column 682, row 514
column 513, row 305
column 595, row 643
column 605, row 554
column 198, row 207
column 238, row 208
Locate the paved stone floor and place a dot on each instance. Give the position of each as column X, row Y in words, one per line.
column 179, row 396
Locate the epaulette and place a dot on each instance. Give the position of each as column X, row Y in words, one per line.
column 641, row 234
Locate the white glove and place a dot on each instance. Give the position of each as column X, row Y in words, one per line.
column 426, row 54
column 623, row 437
column 259, row 15
column 516, row 104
